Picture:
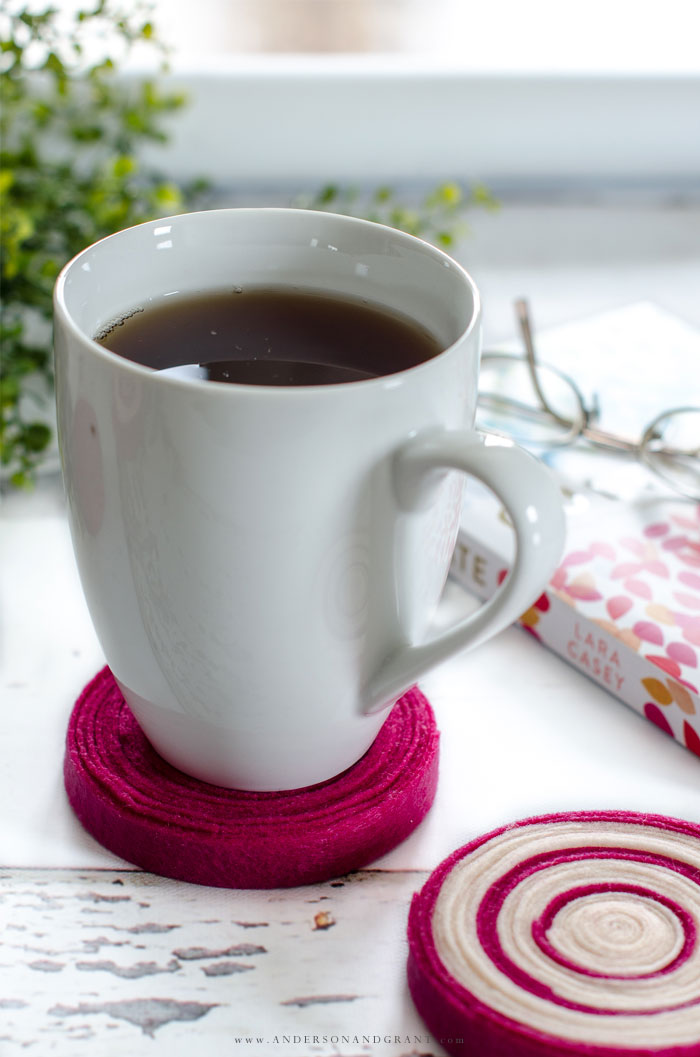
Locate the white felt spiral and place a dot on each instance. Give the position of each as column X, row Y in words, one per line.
column 581, row 928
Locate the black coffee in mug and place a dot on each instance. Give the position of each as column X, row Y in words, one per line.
column 270, row 336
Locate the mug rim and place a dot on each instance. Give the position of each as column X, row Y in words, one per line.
column 62, row 311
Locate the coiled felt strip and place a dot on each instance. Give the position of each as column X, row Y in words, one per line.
column 141, row 808
column 563, row 936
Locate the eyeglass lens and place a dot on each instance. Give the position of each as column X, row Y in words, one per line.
column 508, row 402
column 671, row 448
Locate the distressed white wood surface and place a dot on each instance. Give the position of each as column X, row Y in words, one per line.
column 119, row 962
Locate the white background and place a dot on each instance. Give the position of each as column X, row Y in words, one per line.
column 504, row 35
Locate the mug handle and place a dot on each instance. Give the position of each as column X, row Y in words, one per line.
column 532, row 498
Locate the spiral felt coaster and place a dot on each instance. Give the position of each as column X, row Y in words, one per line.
column 563, row 936
column 141, row 808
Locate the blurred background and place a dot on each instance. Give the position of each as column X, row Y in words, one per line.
column 554, row 149
column 542, row 35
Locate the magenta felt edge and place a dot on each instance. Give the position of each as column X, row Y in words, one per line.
column 261, row 857
column 124, row 745
column 455, row 1014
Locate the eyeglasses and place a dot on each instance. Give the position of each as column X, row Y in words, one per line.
column 541, row 407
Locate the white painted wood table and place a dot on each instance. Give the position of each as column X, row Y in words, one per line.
column 99, row 958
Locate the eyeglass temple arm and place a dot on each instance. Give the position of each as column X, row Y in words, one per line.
column 592, row 433
column 523, row 313
column 599, row 437
column 612, row 441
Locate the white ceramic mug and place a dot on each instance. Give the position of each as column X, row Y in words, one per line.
column 262, row 563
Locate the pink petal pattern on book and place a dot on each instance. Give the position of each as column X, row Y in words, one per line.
column 638, row 588
column 660, row 613
column 657, row 567
column 660, row 528
column 649, row 632
column 685, row 550
column 576, row 558
column 666, row 663
column 625, row 569
column 682, row 653
column 688, row 600
column 691, row 738
column 602, row 550
column 681, row 697
column 631, row 574
column 675, row 543
column 583, row 588
column 635, row 545
column 690, row 626
column 558, row 579
column 618, row 606
column 652, row 712
column 686, row 522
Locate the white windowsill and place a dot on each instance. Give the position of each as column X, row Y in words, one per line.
column 295, row 120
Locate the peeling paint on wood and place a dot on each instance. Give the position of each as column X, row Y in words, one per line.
column 149, row 1014
column 162, row 970
column 43, row 965
column 240, row 950
column 318, row 1000
column 226, row 968
column 97, row 897
column 150, row 926
column 129, row 972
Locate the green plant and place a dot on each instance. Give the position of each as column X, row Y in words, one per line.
column 68, row 175
column 437, row 217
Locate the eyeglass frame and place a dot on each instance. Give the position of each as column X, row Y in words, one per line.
column 582, row 428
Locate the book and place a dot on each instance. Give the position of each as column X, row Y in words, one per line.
column 623, row 606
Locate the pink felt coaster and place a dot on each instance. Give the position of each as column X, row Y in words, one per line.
column 570, row 935
column 144, row 810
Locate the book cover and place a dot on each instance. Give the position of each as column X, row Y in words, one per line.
column 623, row 607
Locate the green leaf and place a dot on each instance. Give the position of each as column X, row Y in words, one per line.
column 327, row 194
column 21, row 479
column 123, row 166
column 9, row 391
column 54, row 65
column 450, row 194
column 167, row 196
column 36, row 436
